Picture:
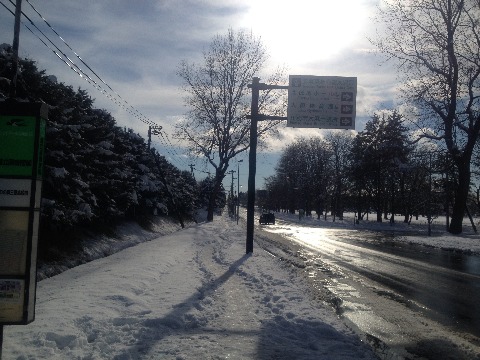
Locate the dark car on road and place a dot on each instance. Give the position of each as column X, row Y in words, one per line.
column 267, row 218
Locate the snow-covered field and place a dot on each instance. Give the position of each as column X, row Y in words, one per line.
column 193, row 294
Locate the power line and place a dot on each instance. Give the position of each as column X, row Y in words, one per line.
column 163, row 136
column 140, row 115
column 136, row 113
column 70, row 62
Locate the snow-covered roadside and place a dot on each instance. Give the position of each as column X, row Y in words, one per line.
column 189, row 295
column 94, row 246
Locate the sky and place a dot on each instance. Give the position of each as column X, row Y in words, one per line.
column 137, row 46
column 193, row 294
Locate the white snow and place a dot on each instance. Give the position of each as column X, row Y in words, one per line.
column 59, row 172
column 193, row 294
column 415, row 233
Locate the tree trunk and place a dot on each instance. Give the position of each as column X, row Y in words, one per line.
column 380, row 207
column 213, row 197
column 211, row 206
column 461, row 195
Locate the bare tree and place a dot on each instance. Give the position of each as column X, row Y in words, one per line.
column 216, row 127
column 437, row 47
column 339, row 143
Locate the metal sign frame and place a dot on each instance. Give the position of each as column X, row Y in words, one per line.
column 312, row 94
column 22, row 144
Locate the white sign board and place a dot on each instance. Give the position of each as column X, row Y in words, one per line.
column 16, row 192
column 325, row 102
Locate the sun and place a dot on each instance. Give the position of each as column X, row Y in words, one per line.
column 302, row 31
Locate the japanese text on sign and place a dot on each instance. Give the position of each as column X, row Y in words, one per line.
column 327, row 102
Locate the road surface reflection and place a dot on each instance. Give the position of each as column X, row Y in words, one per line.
column 397, row 292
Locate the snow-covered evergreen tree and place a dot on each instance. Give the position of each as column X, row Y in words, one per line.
column 95, row 171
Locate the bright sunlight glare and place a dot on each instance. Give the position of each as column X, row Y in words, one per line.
column 303, row 31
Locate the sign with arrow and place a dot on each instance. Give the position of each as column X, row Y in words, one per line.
column 325, row 102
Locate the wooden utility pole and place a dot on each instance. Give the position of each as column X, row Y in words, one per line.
column 152, row 130
column 231, row 204
column 192, row 166
column 15, row 47
column 167, row 189
column 231, row 186
column 238, row 189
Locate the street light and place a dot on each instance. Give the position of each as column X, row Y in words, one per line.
column 238, row 189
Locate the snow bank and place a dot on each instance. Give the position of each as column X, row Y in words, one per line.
column 94, row 246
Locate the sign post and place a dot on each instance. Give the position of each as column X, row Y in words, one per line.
column 325, row 102
column 252, row 164
column 256, row 86
column 22, row 143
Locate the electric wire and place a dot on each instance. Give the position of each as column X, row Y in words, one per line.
column 69, row 63
column 140, row 115
column 77, row 69
column 136, row 113
column 163, row 136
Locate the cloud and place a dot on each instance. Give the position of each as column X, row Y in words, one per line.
column 136, row 46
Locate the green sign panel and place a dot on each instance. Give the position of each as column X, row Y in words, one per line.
column 18, row 147
column 22, row 144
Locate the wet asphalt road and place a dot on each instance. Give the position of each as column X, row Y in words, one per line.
column 410, row 301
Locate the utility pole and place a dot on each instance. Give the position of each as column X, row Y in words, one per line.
column 153, row 130
column 15, row 47
column 232, row 204
column 192, row 166
column 231, row 187
column 238, row 189
column 167, row 189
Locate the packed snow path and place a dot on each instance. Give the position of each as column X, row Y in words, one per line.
column 190, row 295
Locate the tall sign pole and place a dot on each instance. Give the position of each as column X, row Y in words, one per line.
column 252, row 159
column 252, row 164
column 323, row 102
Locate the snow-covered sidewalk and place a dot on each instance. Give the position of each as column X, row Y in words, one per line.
column 190, row 295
